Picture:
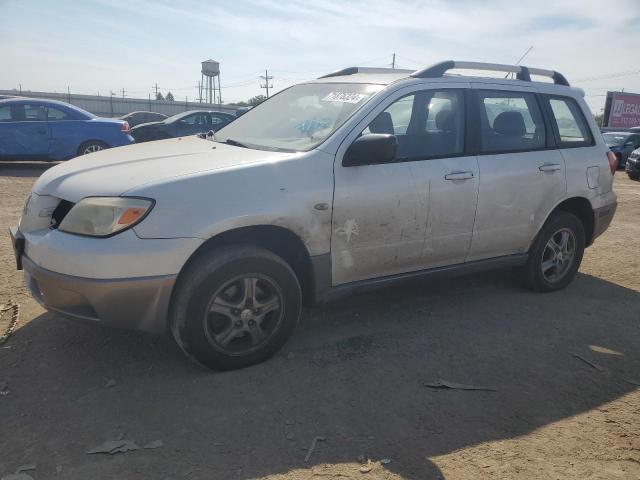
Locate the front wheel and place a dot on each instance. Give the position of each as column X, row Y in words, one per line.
column 235, row 306
column 556, row 254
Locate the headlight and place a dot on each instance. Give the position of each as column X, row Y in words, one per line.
column 105, row 216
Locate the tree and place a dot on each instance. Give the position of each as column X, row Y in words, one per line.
column 257, row 100
column 241, row 104
column 599, row 118
column 169, row 97
column 159, row 96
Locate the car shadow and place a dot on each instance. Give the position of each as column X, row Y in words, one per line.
column 354, row 373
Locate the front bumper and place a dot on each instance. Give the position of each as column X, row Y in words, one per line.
column 633, row 167
column 140, row 303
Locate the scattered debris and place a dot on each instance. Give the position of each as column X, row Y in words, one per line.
column 110, row 383
column 291, row 436
column 59, row 469
column 313, row 447
column 114, row 446
column 25, row 468
column 362, row 459
column 446, row 384
column 154, row 444
column 385, row 461
column 15, row 310
column 590, row 363
column 4, row 388
column 367, row 467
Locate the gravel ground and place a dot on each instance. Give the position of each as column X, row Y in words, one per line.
column 565, row 368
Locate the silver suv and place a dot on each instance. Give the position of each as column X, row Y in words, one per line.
column 361, row 178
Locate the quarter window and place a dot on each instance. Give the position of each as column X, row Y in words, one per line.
column 53, row 114
column 572, row 127
column 510, row 122
column 427, row 124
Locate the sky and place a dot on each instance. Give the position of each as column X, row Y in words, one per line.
column 99, row 46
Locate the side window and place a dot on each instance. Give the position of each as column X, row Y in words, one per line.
column 570, row 122
column 427, row 124
column 195, row 119
column 35, row 113
column 510, row 122
column 635, row 140
column 53, row 114
column 5, row 114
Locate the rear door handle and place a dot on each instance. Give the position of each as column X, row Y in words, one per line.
column 458, row 176
column 549, row 167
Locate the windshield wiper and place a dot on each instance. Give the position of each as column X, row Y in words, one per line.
column 235, row 143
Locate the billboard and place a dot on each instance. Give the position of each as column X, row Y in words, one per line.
column 622, row 110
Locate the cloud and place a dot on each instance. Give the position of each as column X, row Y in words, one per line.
column 111, row 44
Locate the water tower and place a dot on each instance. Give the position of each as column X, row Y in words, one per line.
column 211, row 72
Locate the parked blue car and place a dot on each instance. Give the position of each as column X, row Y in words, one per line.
column 35, row 129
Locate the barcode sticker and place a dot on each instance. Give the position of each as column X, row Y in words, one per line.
column 343, row 97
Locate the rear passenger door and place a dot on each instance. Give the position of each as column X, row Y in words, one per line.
column 522, row 174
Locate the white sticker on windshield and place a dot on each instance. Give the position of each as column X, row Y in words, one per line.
column 344, row 97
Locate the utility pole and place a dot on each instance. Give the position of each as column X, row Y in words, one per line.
column 123, row 93
column 156, row 87
column 68, row 94
column 20, row 85
column 266, row 79
column 393, row 61
column 150, row 102
column 111, row 102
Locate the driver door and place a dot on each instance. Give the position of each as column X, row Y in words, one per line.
column 417, row 211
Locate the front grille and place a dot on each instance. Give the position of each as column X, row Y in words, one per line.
column 60, row 212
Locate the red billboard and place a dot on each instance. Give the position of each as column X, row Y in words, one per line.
column 622, row 110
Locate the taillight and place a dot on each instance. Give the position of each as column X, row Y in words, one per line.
column 613, row 162
column 125, row 127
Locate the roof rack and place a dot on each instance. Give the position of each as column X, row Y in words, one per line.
column 522, row 72
column 354, row 70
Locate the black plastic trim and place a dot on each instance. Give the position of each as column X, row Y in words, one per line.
column 336, row 292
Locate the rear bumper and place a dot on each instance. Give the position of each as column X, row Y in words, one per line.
column 602, row 218
column 140, row 303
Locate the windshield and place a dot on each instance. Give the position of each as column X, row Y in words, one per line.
column 614, row 139
column 299, row 118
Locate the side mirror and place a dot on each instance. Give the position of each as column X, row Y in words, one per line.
column 371, row 149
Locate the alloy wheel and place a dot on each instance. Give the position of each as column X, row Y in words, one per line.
column 243, row 314
column 558, row 255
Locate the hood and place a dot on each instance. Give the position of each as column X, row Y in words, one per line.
column 115, row 171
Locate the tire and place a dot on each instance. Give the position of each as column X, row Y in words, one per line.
column 229, row 295
column 633, row 177
column 91, row 146
column 545, row 271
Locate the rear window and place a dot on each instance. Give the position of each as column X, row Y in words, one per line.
column 571, row 126
column 511, row 122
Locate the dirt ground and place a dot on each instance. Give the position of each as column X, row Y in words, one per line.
column 354, row 373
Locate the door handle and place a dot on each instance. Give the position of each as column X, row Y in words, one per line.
column 458, row 176
column 549, row 167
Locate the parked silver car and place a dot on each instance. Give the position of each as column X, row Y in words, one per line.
column 361, row 178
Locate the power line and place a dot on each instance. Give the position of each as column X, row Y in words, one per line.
column 608, row 76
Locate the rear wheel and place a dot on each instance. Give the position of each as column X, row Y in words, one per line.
column 235, row 306
column 633, row 176
column 91, row 146
column 556, row 254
